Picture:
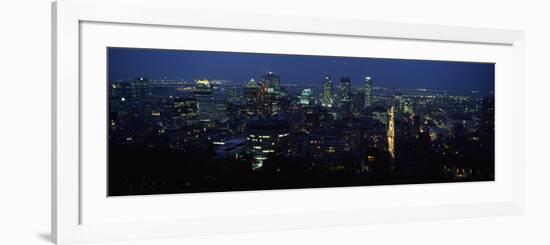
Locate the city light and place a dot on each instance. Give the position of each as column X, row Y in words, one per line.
column 229, row 124
column 391, row 133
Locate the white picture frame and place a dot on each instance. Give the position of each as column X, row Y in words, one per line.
column 67, row 17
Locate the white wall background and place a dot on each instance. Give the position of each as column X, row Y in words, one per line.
column 25, row 122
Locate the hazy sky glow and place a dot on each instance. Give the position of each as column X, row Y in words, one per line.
column 125, row 63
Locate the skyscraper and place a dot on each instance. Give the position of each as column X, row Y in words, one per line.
column 345, row 89
column 250, row 94
column 368, row 92
column 273, row 81
column 269, row 95
column 327, row 98
column 345, row 98
column 204, row 94
column 306, row 97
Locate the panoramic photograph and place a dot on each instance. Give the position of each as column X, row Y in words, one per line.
column 182, row 121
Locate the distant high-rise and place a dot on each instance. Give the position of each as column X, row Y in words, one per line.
column 368, row 92
column 250, row 94
column 273, row 81
column 204, row 93
column 268, row 101
column 306, row 96
column 327, row 98
column 345, row 89
column 345, row 98
column 269, row 95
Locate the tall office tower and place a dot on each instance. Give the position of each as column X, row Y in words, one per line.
column 368, row 92
column 345, row 89
column 306, row 97
column 273, row 81
column 250, row 94
column 267, row 103
column 207, row 106
column 269, row 96
column 345, row 103
column 327, row 98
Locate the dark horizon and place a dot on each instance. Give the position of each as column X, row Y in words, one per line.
column 127, row 63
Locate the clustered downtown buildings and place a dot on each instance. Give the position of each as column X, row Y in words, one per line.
column 368, row 134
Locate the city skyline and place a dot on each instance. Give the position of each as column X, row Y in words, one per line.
column 127, row 63
column 209, row 135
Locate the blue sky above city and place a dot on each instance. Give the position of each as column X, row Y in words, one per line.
column 126, row 63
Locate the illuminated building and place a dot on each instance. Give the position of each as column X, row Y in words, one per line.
column 306, row 97
column 264, row 101
column 268, row 101
column 407, row 107
column 203, row 84
column 368, row 92
column 186, row 109
column 327, row 99
column 266, row 139
column 250, row 94
column 204, row 94
column 212, row 108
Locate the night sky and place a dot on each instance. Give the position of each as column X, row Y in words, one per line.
column 126, row 63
